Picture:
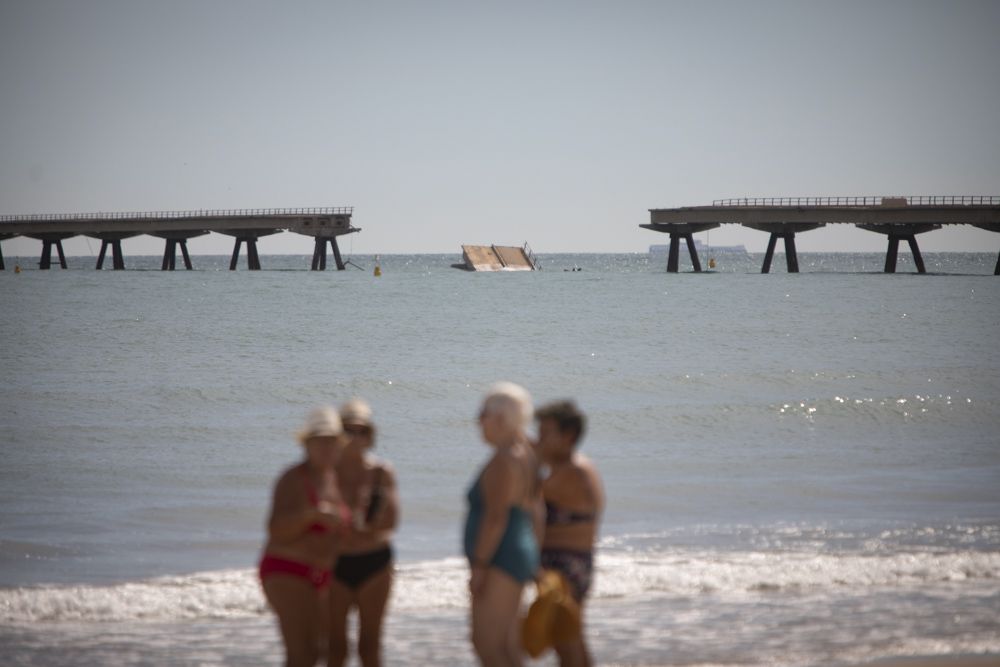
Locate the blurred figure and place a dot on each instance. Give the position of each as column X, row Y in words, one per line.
column 574, row 501
column 500, row 537
column 307, row 521
column 362, row 576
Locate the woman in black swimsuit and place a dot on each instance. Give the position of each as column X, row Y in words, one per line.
column 574, row 500
column 362, row 575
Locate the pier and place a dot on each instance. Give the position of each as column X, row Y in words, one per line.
column 177, row 227
column 898, row 218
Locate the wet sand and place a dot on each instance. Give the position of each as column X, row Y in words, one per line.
column 938, row 661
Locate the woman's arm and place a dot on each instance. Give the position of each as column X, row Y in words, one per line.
column 387, row 514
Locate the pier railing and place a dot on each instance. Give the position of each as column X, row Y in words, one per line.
column 935, row 200
column 174, row 215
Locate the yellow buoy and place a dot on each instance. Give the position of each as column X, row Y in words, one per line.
column 17, row 268
column 378, row 270
column 711, row 262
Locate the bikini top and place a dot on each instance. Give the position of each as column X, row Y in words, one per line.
column 345, row 514
column 557, row 516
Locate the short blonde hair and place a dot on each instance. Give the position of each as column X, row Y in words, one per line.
column 512, row 401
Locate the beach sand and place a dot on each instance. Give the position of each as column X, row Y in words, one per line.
column 938, row 661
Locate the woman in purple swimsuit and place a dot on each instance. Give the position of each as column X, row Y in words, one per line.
column 307, row 521
column 362, row 575
column 574, row 500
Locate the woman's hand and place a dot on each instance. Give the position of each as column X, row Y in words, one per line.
column 331, row 515
column 477, row 580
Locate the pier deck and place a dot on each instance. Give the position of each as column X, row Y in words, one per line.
column 176, row 227
column 899, row 218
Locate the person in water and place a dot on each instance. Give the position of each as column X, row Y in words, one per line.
column 308, row 519
column 362, row 575
column 574, row 501
column 500, row 538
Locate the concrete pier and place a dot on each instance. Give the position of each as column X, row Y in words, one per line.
column 176, row 228
column 899, row 218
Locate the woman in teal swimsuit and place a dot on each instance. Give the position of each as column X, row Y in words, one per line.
column 503, row 526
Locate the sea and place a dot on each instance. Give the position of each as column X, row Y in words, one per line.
column 801, row 469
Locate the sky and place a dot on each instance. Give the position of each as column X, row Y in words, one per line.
column 447, row 123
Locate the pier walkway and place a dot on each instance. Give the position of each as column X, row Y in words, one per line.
column 899, row 218
column 176, row 227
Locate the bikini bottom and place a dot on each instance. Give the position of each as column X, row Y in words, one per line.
column 318, row 577
column 353, row 570
column 576, row 566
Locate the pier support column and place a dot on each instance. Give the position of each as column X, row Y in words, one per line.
column 236, row 254
column 48, row 241
column 785, row 231
column 173, row 239
column 117, row 256
column 45, row 263
column 319, row 253
column 112, row 240
column 992, row 227
column 673, row 257
column 336, row 254
column 4, row 237
column 169, row 256
column 678, row 231
column 248, row 236
column 900, row 232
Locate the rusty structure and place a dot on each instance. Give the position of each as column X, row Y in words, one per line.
column 898, row 218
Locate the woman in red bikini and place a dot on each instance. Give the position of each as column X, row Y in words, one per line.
column 362, row 576
column 308, row 521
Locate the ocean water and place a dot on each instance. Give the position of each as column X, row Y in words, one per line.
column 801, row 469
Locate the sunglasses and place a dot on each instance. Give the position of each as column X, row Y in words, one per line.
column 357, row 429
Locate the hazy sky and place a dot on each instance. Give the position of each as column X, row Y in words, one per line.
column 443, row 123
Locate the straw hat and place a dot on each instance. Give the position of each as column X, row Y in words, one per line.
column 356, row 411
column 323, row 421
column 553, row 618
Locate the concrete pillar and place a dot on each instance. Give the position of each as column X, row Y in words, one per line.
column 791, row 257
column 336, row 254
column 890, row 254
column 769, row 255
column 117, row 255
column 236, row 254
column 253, row 261
column 672, row 256
column 693, row 253
column 187, row 257
column 169, row 255
column 100, row 256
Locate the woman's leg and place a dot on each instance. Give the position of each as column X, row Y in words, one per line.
column 299, row 609
column 495, row 635
column 341, row 600
column 373, row 596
